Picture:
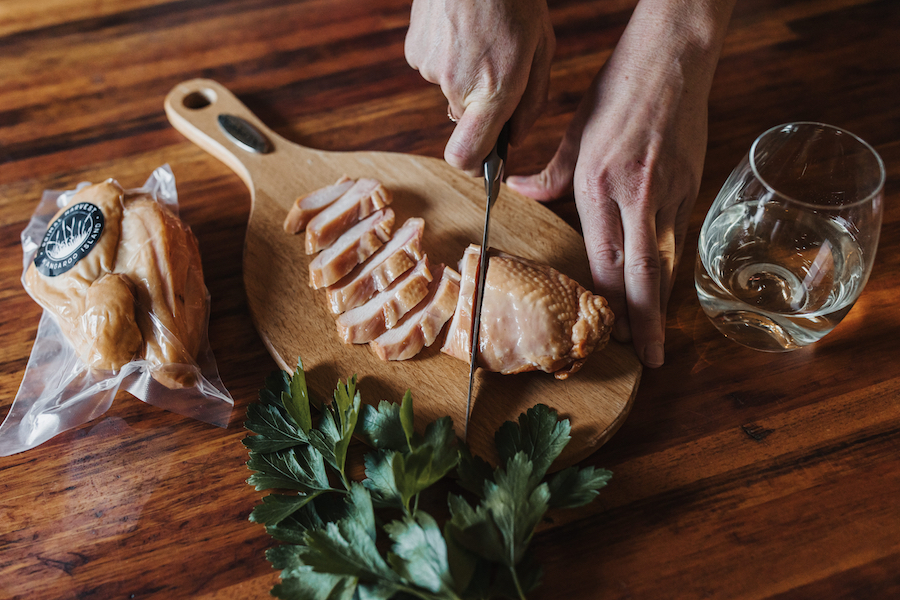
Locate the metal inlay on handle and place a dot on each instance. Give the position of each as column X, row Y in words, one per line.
column 244, row 134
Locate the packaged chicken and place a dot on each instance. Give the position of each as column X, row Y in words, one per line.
column 121, row 278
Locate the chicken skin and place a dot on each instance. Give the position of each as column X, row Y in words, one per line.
column 533, row 317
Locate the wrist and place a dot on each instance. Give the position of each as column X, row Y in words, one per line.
column 686, row 36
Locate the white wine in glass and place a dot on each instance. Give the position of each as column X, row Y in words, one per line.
column 789, row 242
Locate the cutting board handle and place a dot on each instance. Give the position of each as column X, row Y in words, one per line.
column 209, row 115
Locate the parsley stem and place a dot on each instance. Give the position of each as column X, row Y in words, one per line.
column 425, row 595
column 515, row 578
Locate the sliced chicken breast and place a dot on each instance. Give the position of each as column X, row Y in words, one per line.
column 376, row 274
column 365, row 323
column 351, row 249
column 421, row 326
column 365, row 197
column 308, row 206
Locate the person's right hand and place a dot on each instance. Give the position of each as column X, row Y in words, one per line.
column 492, row 60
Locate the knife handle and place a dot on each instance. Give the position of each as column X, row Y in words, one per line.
column 503, row 142
column 494, row 163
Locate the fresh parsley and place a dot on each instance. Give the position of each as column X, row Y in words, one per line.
column 336, row 546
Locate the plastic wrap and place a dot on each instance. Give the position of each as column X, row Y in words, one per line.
column 125, row 308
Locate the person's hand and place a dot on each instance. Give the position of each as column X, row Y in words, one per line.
column 492, row 60
column 633, row 155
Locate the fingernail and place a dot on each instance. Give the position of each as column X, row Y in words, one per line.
column 654, row 355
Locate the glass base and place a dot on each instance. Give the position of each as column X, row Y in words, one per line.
column 754, row 331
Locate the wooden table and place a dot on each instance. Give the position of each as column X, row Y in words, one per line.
column 737, row 474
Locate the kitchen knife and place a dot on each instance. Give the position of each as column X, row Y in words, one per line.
column 493, row 176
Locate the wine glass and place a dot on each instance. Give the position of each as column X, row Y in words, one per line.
column 788, row 244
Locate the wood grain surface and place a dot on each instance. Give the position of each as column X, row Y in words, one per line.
column 294, row 320
column 737, row 474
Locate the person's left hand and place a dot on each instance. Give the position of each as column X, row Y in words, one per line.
column 634, row 156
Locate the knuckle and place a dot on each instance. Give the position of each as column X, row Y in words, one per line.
column 609, row 253
column 593, row 185
column 644, row 266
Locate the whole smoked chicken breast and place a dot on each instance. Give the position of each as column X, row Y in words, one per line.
column 94, row 309
column 533, row 317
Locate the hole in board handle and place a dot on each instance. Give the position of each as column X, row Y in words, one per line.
column 199, row 99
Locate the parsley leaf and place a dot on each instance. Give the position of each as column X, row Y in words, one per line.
column 380, row 479
column 432, row 458
column 276, row 383
column 500, row 528
column 419, row 554
column 296, row 400
column 335, row 430
column 539, row 434
column 473, row 472
column 381, row 428
column 273, row 429
column 575, row 487
column 347, row 547
column 299, row 469
column 407, row 422
column 299, row 581
column 516, row 507
column 277, row 507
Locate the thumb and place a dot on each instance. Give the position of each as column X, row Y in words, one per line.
column 556, row 178
column 475, row 134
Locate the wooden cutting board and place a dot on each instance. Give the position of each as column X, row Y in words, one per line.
column 294, row 320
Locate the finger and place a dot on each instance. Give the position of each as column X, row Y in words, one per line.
column 669, row 244
column 601, row 224
column 416, row 41
column 672, row 225
column 534, row 97
column 642, row 284
column 554, row 180
column 474, row 136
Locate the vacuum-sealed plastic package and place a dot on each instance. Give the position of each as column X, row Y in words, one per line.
column 120, row 280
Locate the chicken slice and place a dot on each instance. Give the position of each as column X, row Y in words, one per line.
column 533, row 317
column 351, row 249
column 421, row 326
column 308, row 206
column 161, row 257
column 365, row 323
column 365, row 197
column 376, row 274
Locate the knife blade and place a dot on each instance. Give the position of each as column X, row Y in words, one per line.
column 493, row 177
